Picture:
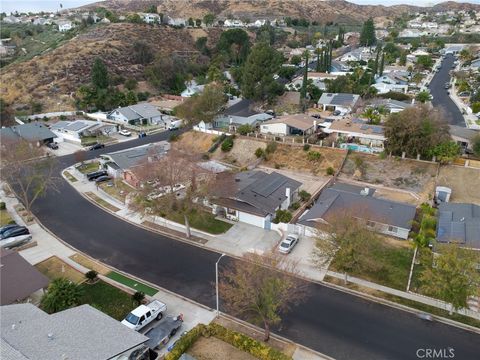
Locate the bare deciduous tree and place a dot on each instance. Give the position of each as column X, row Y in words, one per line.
column 26, row 170
column 261, row 288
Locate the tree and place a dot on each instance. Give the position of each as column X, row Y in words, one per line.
column 424, row 62
column 91, row 276
column 282, row 216
column 296, row 60
column 245, row 129
column 445, row 152
column 454, row 278
column 191, row 22
column 138, row 297
column 208, row 19
column 349, row 242
column 198, row 22
column 134, row 18
column 261, row 288
column 303, row 91
column 382, row 65
column 6, row 114
column 131, row 84
column 24, row 170
column 416, row 130
column 142, row 53
column 476, row 145
column 372, row 115
column 131, row 98
column 234, row 44
column 423, row 96
column 367, row 35
column 99, row 74
column 257, row 81
column 62, row 294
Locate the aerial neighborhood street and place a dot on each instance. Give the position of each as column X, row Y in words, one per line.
column 270, row 186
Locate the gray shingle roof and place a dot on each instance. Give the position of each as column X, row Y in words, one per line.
column 77, row 125
column 31, row 132
column 339, row 99
column 261, row 193
column 340, row 198
column 18, row 278
column 79, row 333
column 129, row 158
column 138, row 111
column 459, row 222
column 463, row 132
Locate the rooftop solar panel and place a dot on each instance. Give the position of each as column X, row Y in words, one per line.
column 268, row 187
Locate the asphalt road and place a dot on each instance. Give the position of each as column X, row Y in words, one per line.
column 440, row 94
column 330, row 321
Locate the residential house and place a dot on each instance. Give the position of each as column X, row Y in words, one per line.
column 176, row 21
column 150, row 18
column 381, row 215
column 121, row 164
column 138, row 114
column 463, row 136
column 460, row 223
column 360, row 54
column 318, row 80
column 344, row 103
column 239, row 114
column 475, row 65
column 384, row 88
column 393, row 77
column 298, row 124
column 356, row 131
column 19, row 280
column 32, row 132
column 257, row 197
column 411, row 33
column 64, row 25
column 233, row 23
column 42, row 21
column 453, row 49
column 79, row 333
column 73, row 131
column 393, row 106
column 192, row 89
column 11, row 19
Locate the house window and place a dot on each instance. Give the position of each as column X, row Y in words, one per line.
column 231, row 212
column 392, row 229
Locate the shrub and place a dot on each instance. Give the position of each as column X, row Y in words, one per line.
column 2, row 206
column 383, row 155
column 205, row 157
column 138, row 297
column 216, row 141
column 306, row 147
column 295, row 206
column 330, row 171
column 91, row 275
column 62, row 117
column 227, row 144
column 185, row 342
column 304, row 195
column 131, row 84
column 260, row 153
column 61, row 294
column 314, row 156
column 245, row 129
column 476, row 107
column 173, row 137
column 271, row 147
column 282, row 216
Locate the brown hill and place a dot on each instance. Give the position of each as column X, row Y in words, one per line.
column 53, row 77
column 324, row 10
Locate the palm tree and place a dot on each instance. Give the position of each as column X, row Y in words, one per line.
column 61, row 294
column 372, row 115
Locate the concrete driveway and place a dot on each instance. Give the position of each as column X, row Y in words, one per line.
column 241, row 238
column 65, row 148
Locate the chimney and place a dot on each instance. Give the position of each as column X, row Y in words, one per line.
column 288, row 195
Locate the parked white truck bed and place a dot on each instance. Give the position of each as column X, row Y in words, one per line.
column 144, row 315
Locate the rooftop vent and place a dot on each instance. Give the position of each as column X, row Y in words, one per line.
column 50, row 336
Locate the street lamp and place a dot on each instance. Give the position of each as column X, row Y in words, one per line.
column 216, row 280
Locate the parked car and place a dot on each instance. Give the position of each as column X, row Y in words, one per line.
column 52, row 145
column 96, row 146
column 96, row 174
column 7, row 227
column 464, row 94
column 337, row 113
column 14, row 237
column 163, row 332
column 287, row 245
column 142, row 134
column 125, row 132
column 102, row 178
column 448, row 85
column 144, row 315
column 174, row 125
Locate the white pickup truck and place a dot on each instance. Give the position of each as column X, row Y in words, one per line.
column 174, row 125
column 144, row 314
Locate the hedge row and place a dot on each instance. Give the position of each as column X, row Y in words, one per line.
column 255, row 348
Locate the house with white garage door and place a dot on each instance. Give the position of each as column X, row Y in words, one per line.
column 258, row 196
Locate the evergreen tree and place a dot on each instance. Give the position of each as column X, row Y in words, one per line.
column 367, row 36
column 99, row 74
column 382, row 65
column 303, row 92
column 375, row 64
column 318, row 51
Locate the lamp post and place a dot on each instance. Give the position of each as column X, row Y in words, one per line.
column 216, row 280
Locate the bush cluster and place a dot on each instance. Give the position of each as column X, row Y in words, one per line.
column 227, row 144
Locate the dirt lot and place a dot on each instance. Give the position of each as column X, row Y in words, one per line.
column 242, row 153
column 195, row 142
column 464, row 182
column 410, row 175
column 295, row 158
column 214, row 349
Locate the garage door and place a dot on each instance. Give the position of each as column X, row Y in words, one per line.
column 250, row 219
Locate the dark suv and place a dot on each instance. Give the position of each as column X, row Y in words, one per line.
column 97, row 146
column 16, row 231
column 96, row 174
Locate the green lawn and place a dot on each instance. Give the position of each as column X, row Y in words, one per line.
column 5, row 218
column 70, row 177
column 108, row 299
column 131, row 283
column 88, row 167
column 395, row 262
column 91, row 140
column 201, row 220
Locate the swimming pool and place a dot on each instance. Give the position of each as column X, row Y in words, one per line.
column 359, row 148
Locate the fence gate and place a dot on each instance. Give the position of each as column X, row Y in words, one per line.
column 296, row 229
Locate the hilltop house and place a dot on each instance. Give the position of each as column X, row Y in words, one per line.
column 356, row 131
column 299, row 124
column 257, row 197
column 82, row 332
column 64, row 25
column 344, row 103
column 240, row 114
column 381, row 215
column 138, row 114
column 150, row 18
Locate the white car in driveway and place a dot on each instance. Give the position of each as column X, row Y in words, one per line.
column 144, row 315
column 125, row 132
column 288, row 244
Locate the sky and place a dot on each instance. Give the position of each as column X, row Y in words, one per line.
column 53, row 5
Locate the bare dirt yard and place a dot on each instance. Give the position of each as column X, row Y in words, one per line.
column 194, row 142
column 295, row 158
column 464, row 182
column 242, row 153
column 215, row 349
column 409, row 175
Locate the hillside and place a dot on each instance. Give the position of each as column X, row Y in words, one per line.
column 324, row 10
column 53, row 77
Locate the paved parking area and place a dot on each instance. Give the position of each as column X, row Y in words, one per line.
column 66, row 148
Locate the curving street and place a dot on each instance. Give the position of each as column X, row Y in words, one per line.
column 332, row 322
column 440, row 94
